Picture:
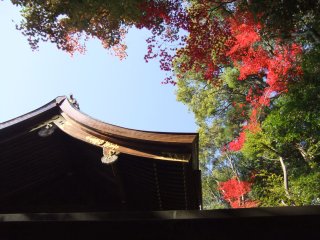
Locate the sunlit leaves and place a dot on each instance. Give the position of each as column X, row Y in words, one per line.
column 234, row 191
column 69, row 24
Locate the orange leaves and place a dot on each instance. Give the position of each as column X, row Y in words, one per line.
column 119, row 49
column 73, row 44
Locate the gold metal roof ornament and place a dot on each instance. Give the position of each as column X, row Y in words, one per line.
column 109, row 156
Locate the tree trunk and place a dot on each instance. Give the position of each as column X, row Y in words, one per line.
column 285, row 176
column 234, row 170
column 232, row 166
column 284, row 170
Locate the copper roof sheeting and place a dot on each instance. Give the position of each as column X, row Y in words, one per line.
column 50, row 160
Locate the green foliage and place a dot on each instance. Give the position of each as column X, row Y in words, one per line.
column 283, row 125
column 310, row 62
column 230, row 77
column 268, row 190
column 211, row 195
column 294, row 20
column 258, row 145
column 64, row 22
column 304, row 189
column 288, row 127
column 291, row 130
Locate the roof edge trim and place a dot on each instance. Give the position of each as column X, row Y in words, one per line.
column 112, row 130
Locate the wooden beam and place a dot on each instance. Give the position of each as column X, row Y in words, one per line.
column 90, row 136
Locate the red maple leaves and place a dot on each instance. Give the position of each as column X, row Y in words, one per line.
column 234, row 192
column 274, row 65
column 212, row 44
column 165, row 19
column 208, row 44
column 237, row 143
column 205, row 48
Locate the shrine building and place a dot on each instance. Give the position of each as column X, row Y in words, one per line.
column 58, row 159
column 66, row 175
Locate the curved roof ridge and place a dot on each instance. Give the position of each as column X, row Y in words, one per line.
column 65, row 114
column 62, row 105
column 74, row 114
column 127, row 128
column 49, row 106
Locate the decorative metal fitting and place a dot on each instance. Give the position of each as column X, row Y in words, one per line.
column 74, row 101
column 109, row 156
column 47, row 130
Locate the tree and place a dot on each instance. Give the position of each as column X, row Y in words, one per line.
column 261, row 145
column 234, row 192
column 237, row 78
column 290, row 20
column 218, row 119
column 67, row 23
column 290, row 133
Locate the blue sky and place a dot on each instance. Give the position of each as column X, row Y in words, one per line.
column 127, row 93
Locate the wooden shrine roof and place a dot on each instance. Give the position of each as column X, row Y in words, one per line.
column 57, row 158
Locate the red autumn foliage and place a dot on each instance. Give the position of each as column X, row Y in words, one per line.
column 245, row 32
column 212, row 44
column 245, row 204
column 276, row 66
column 73, row 44
column 205, row 46
column 154, row 13
column 234, row 189
column 237, row 143
column 234, row 192
column 165, row 19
